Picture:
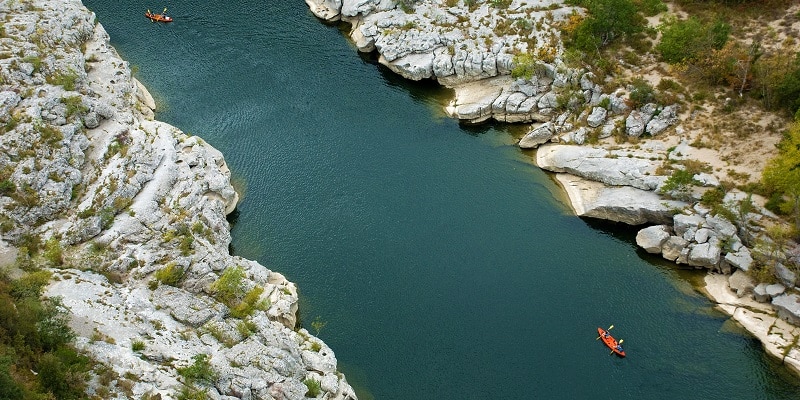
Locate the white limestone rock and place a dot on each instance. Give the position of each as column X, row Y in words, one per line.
column 705, row 254
column 328, row 10
column 652, row 238
column 621, row 204
column 536, row 136
column 597, row 117
column 764, row 293
column 600, row 165
column 683, row 223
column 673, row 248
column 665, row 118
column 785, row 275
column 788, row 306
column 741, row 283
column 741, row 259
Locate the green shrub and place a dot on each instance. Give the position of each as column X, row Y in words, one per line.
column 107, row 217
column 192, row 393
column 7, row 187
column 30, row 285
column 250, row 303
column 34, row 336
column 171, row 274
column 787, row 90
column 62, row 380
column 67, row 80
column 407, row 5
column 53, row 252
column 526, row 66
column 781, row 175
column 679, row 184
column 137, row 345
column 26, row 196
column 186, row 245
column 199, row 371
column 228, row 288
column 74, row 105
column 641, row 93
column 246, row 328
column 314, row 387
column 691, row 39
column 500, row 4
column 35, row 61
column 652, row 7
column 9, row 388
column 12, row 122
column 53, row 326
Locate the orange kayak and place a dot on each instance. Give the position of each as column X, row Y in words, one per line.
column 611, row 342
column 158, row 17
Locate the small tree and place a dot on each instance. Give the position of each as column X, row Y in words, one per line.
column 318, row 324
column 782, row 174
column 679, row 184
column 608, row 21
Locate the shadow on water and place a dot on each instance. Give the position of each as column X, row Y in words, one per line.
column 627, row 234
column 516, row 131
column 233, row 219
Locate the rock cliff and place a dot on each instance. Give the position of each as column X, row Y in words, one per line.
column 130, row 215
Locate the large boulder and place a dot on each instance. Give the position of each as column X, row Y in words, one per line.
column 652, row 238
column 600, row 165
column 740, row 259
column 620, row 204
column 785, row 275
column 329, row 10
column 537, row 136
column 597, row 117
column 741, row 283
column 665, row 118
column 673, row 247
column 788, row 306
column 705, row 254
column 683, row 223
column 764, row 292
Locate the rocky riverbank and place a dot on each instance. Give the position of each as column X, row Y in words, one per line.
column 129, row 214
column 613, row 156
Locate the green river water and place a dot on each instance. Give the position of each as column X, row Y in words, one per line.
column 443, row 262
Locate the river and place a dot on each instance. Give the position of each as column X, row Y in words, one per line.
column 438, row 261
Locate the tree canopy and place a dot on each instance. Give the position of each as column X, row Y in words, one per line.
column 607, row 20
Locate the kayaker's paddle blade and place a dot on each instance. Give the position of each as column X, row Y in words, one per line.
column 610, row 327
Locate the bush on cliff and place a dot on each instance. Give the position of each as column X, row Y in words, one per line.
column 37, row 359
column 230, row 286
column 781, row 176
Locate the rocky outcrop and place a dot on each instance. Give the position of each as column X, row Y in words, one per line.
column 620, row 204
column 137, row 211
column 698, row 239
column 778, row 336
column 611, row 167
